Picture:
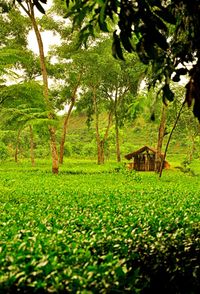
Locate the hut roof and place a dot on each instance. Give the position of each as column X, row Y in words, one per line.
column 135, row 153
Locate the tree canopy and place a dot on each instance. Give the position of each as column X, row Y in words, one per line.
column 165, row 35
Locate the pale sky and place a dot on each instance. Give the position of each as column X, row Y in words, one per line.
column 48, row 37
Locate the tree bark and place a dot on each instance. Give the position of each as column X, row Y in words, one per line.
column 66, row 121
column 118, row 155
column 17, row 145
column 30, row 12
column 161, row 133
column 32, row 146
column 100, row 142
column 64, row 132
column 169, row 139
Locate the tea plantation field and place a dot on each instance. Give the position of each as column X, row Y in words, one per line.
column 98, row 230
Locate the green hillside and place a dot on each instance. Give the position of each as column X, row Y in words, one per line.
column 81, row 140
column 133, row 136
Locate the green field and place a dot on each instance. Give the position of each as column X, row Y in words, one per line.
column 98, row 229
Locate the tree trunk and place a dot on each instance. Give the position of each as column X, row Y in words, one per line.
column 169, row 139
column 105, row 137
column 32, row 146
column 100, row 143
column 17, row 145
column 64, row 132
column 117, row 130
column 66, row 120
column 102, row 158
column 160, row 139
column 30, row 12
column 98, row 140
column 118, row 153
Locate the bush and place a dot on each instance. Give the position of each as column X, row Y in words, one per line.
column 68, row 149
column 115, row 232
column 3, row 151
column 42, row 152
column 89, row 149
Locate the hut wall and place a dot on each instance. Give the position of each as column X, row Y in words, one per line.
column 144, row 162
column 136, row 163
column 152, row 162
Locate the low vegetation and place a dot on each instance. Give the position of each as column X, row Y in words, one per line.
column 98, row 230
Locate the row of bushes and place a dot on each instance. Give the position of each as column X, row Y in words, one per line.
column 78, row 149
column 99, row 233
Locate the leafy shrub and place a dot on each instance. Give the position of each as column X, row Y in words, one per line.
column 3, row 151
column 117, row 232
column 67, row 149
column 42, row 152
column 89, row 149
column 77, row 148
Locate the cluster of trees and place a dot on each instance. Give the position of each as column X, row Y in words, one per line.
column 164, row 34
column 88, row 79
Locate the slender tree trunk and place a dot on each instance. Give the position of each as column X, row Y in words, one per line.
column 100, row 143
column 117, row 143
column 32, row 146
column 30, row 12
column 102, row 152
column 17, row 145
column 66, row 120
column 160, row 139
column 99, row 153
column 169, row 139
column 98, row 140
column 105, row 137
column 117, row 129
column 64, row 132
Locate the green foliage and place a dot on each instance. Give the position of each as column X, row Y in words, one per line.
column 105, row 231
column 14, row 29
column 89, row 149
column 3, row 151
column 164, row 34
column 67, row 149
column 27, row 94
column 42, row 152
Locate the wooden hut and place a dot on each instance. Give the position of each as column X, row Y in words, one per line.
column 144, row 159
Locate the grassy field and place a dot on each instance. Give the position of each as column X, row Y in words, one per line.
column 98, row 229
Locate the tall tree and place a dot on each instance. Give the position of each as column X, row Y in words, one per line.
column 164, row 34
column 66, row 96
column 69, row 70
column 94, row 68
column 161, row 133
column 112, row 86
column 28, row 7
column 121, row 84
